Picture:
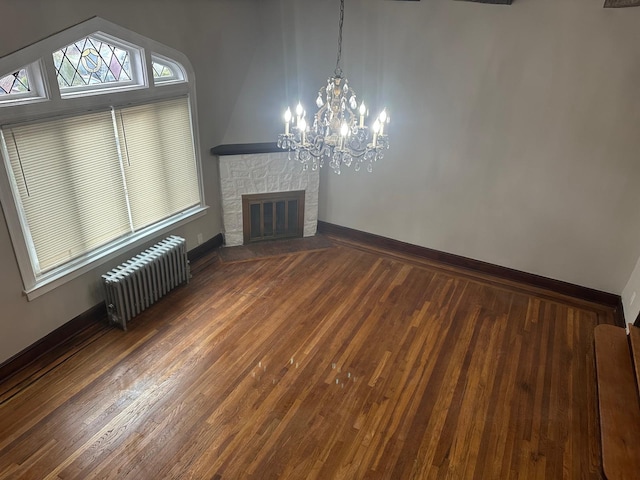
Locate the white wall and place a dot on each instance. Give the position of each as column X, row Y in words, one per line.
column 514, row 134
column 218, row 36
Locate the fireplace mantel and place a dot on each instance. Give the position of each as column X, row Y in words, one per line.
column 245, row 148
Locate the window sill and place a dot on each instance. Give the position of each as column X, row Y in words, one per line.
column 59, row 276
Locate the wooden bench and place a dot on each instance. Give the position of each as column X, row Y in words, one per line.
column 618, row 370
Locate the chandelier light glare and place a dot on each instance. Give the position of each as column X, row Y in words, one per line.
column 338, row 133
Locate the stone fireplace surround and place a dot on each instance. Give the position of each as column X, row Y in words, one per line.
column 251, row 173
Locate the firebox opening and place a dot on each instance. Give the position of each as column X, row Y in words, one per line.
column 269, row 216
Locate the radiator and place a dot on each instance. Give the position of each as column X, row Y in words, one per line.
column 144, row 279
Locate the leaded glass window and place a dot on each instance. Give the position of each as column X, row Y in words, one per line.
column 16, row 83
column 165, row 71
column 92, row 62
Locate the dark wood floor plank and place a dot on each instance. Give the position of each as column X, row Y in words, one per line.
column 341, row 363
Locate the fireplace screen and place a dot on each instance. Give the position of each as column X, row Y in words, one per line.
column 268, row 216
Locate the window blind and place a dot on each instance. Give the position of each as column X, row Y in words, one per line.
column 83, row 183
column 70, row 185
column 160, row 165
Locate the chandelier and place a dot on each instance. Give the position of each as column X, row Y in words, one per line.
column 338, row 134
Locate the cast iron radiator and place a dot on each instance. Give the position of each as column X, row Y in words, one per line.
column 144, row 279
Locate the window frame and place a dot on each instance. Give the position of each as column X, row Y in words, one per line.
column 38, row 90
column 49, row 102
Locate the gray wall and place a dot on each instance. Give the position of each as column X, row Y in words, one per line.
column 514, row 134
column 514, row 129
column 218, row 36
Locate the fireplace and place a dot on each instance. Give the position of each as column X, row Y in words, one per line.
column 248, row 174
column 269, row 216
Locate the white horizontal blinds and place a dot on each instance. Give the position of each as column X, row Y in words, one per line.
column 70, row 184
column 159, row 165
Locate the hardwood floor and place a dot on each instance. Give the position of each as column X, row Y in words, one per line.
column 341, row 363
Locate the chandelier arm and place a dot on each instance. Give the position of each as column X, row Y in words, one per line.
column 362, row 152
column 319, row 153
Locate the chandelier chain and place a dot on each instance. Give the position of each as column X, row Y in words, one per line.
column 338, row 70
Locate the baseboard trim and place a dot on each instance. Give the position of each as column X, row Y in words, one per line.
column 97, row 313
column 619, row 314
column 530, row 279
column 60, row 335
column 79, row 324
column 203, row 249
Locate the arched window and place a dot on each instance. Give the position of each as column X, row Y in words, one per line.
column 87, row 174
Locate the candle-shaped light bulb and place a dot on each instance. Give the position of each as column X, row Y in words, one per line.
column 344, row 131
column 303, row 128
column 363, row 110
column 299, row 111
column 383, row 119
column 376, row 129
column 287, row 119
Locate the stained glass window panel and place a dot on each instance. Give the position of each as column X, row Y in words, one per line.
column 15, row 83
column 91, row 61
column 165, row 71
column 162, row 72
